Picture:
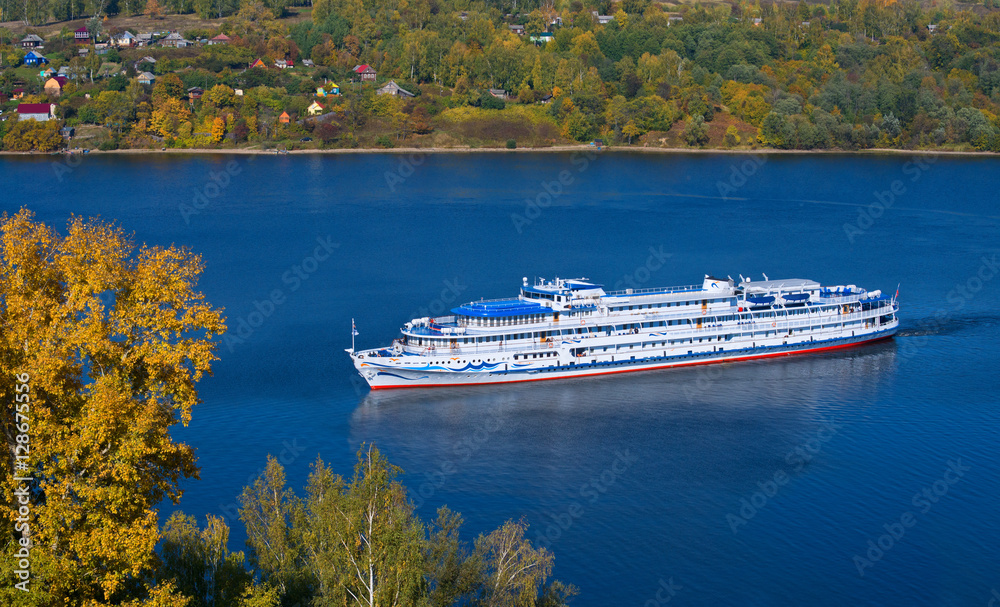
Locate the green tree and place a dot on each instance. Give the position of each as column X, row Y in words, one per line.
column 199, row 563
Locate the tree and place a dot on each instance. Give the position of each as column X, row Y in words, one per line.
column 630, row 130
column 199, row 563
column 28, row 135
column 695, row 131
column 514, row 571
column 112, row 341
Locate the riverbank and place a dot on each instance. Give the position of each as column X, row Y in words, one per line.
column 469, row 150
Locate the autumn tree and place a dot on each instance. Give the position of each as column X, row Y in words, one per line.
column 111, row 340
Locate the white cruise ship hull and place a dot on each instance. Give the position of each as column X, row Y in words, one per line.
column 380, row 378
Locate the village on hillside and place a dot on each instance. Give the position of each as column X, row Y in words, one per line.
column 223, row 74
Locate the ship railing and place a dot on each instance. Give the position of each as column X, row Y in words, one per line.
column 655, row 290
column 714, row 329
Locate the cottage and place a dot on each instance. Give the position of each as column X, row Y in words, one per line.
column 394, row 89
column 83, row 51
column 365, row 72
column 308, row 63
column 757, row 21
column 283, row 64
column 35, row 58
column 125, row 39
column 49, row 73
column 41, row 112
column 258, row 63
column 175, row 40
column 315, row 108
column 144, row 39
column 333, row 88
column 546, row 99
column 220, row 39
column 101, row 48
column 932, row 27
column 517, row 29
column 81, row 35
column 67, row 132
column 31, row 41
column 602, row 19
column 18, row 93
column 499, row 94
column 146, row 78
column 55, row 84
column 284, row 118
column 542, row 37
column 195, row 92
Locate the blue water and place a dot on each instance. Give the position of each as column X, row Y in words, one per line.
column 636, row 482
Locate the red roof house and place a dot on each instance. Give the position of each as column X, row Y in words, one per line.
column 82, row 36
column 366, row 72
column 36, row 111
column 258, row 63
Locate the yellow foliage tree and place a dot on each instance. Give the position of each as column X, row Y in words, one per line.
column 108, row 342
column 218, row 129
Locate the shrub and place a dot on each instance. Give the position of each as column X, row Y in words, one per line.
column 511, row 144
column 385, row 142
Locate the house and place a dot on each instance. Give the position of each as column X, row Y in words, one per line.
column 36, row 111
column 365, row 72
column 125, row 39
column 81, row 35
column 757, row 21
column 195, row 92
column 542, row 37
column 932, row 27
column 220, row 39
column 284, row 118
column 49, row 73
column 67, row 132
column 55, row 84
column 546, row 99
column 31, row 41
column 101, row 48
column 146, row 78
column 18, row 93
column 144, row 39
column 602, row 19
column 258, row 63
column 393, row 89
column 517, row 29
column 145, row 60
column 674, row 19
column 35, row 58
column 308, row 63
column 315, row 108
column 499, row 94
column 83, row 51
column 333, row 88
column 175, row 40
column 464, row 16
column 238, row 92
column 283, row 64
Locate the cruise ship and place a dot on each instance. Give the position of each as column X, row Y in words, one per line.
column 564, row 328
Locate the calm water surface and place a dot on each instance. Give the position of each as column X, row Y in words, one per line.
column 634, row 481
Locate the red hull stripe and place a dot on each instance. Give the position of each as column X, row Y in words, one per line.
column 670, row 366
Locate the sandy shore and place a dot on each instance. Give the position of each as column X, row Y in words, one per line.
column 557, row 148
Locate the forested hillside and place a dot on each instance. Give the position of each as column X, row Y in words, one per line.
column 847, row 74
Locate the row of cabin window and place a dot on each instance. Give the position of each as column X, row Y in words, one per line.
column 671, row 304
